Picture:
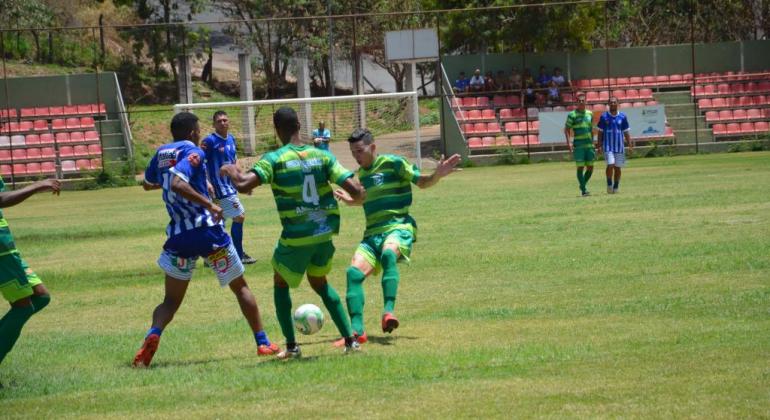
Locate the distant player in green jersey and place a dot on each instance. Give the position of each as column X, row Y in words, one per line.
column 390, row 230
column 579, row 126
column 300, row 176
column 20, row 286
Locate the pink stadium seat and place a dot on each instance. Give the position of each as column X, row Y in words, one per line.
column 747, row 127
column 733, row 128
column 710, row 90
column 761, row 126
column 592, row 96
column 604, row 96
column 763, row 86
column 80, row 150
column 651, row 103
column 460, row 116
column 94, row 150
column 76, row 136
column 18, row 140
column 87, row 122
column 597, row 83
column 32, row 139
column 746, row 101
column 613, row 81
column 83, row 164
column 622, row 82
column 697, row 91
column 635, row 81
column 40, row 125
column 519, row 113
column 42, row 111
column 66, row 151
column 493, row 127
column 502, row 141
column 487, row 141
column 48, row 167
column 648, row 81
column 68, row 166
column 482, row 101
column 533, row 139
column 669, row 132
column 567, row 97
column 638, row 104
column 753, row 114
column 84, row 109
column 56, row 111
column 6, row 170
column 474, row 142
column 457, row 102
column 738, row 88
column 750, row 87
column 760, row 100
column 47, row 152
column 19, row 169
column 33, row 168
column 661, row 80
column 518, row 141
column 632, row 94
column 723, row 89
column 27, row 112
column 498, row 101
column 100, row 108
column 5, row 155
column 645, row 93
column 676, row 79
column 718, row 103
column 467, row 128
column 480, row 127
column 473, row 114
column 488, row 114
column 46, row 138
column 96, row 164
column 625, row 105
column 534, row 126
column 583, row 83
column 34, row 153
column 511, row 127
column 724, row 115
column 506, row 114
column 70, row 110
column 620, row 94
column 469, row 102
column 8, row 113
column 712, row 116
column 62, row 138
column 514, row 100
column 19, row 154
column 704, row 103
column 73, row 123
column 58, row 124
column 740, row 114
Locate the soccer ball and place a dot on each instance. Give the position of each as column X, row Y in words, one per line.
column 308, row 319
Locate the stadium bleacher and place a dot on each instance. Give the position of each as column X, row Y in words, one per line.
column 33, row 140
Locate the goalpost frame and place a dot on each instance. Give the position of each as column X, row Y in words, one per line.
column 296, row 101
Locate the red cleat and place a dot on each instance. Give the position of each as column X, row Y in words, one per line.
column 361, row 340
column 270, row 350
column 144, row 355
column 389, row 322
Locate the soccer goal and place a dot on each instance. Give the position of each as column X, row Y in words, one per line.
column 391, row 117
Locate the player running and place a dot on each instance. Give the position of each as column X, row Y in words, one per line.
column 390, row 230
column 219, row 147
column 20, row 286
column 300, row 176
column 194, row 231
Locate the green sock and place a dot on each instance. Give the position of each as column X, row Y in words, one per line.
column 333, row 304
column 282, row 301
column 581, row 179
column 587, row 176
column 390, row 278
column 355, row 298
column 40, row 302
column 11, row 325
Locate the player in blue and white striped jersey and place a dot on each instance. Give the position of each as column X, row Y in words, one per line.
column 614, row 132
column 219, row 147
column 193, row 231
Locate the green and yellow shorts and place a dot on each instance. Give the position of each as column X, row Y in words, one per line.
column 584, row 156
column 291, row 262
column 16, row 278
column 371, row 246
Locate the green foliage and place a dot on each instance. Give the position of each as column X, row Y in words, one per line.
column 512, row 156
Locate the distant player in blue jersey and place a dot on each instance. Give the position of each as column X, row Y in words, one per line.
column 322, row 136
column 613, row 132
column 193, row 231
column 219, row 147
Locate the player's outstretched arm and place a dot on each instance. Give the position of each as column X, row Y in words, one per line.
column 179, row 186
column 12, row 198
column 443, row 169
column 149, row 186
column 244, row 183
column 345, row 197
column 354, row 189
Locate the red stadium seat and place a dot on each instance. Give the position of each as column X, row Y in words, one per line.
column 533, row 139
column 733, row 128
column 661, row 80
column 6, row 170
column 761, row 126
column 58, row 124
column 740, row 114
column 80, row 150
column 460, row 116
column 70, row 110
column 482, row 101
column 487, row 141
column 40, row 125
column 480, row 128
column 763, row 86
column 651, row 103
column 32, row 139
column 639, row 104
column 747, row 127
column 96, row 164
column 669, row 132
column 469, row 102
column 592, row 96
column 66, row 151
column 750, row 87
column 676, row 79
column 753, row 114
column 473, row 114
column 34, row 153
column 99, row 109
column 94, row 150
column 514, row 100
column 736, row 88
column 597, row 83
column 604, row 96
column 718, row 103
column 467, row 128
column 76, row 137
column 42, row 111
column 56, row 111
column 583, row 83
column 488, row 114
column 33, row 168
column 598, row 107
column 760, row 100
column 724, row 115
column 5, row 155
column 27, row 112
column 712, row 116
column 474, row 142
column 534, row 126
column 704, row 103
column 493, row 127
column 567, row 97
column 19, row 169
column 697, row 91
column 632, row 94
column 723, row 89
column 46, row 138
column 645, row 93
column 635, row 81
column 47, row 152
column 68, row 166
column 19, row 154
column 84, row 109
column 499, row 101
column 746, row 101
column 622, row 82
column 457, row 102
column 73, row 123
column 87, row 122
column 62, row 138
column 625, row 105
column 18, row 140
column 511, row 127
column 709, row 90
column 518, row 141
column 506, row 114
column 48, row 167
column 8, row 113
column 619, row 94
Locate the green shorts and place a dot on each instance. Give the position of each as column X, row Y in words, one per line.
column 584, row 156
column 291, row 262
column 371, row 246
column 16, row 278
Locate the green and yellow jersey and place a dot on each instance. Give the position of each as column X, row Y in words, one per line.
column 582, row 125
column 388, row 194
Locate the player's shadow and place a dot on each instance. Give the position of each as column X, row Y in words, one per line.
column 183, row 363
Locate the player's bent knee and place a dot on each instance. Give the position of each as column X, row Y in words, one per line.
column 354, row 275
column 278, row 281
column 389, row 258
column 41, row 301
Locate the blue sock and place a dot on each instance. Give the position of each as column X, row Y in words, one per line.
column 261, row 338
column 154, row 330
column 236, row 231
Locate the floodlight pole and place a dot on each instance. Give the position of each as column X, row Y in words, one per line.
column 692, row 52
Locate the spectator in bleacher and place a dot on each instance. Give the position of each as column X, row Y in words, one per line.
column 579, row 127
column 501, row 81
column 528, row 90
column 543, row 78
column 489, row 82
column 614, row 131
column 554, row 96
column 477, row 81
column 559, row 78
column 514, row 81
column 461, row 84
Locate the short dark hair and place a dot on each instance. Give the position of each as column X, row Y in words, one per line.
column 218, row 114
column 182, row 125
column 286, row 123
column 361, row 134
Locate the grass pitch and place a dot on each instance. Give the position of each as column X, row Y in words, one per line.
column 523, row 300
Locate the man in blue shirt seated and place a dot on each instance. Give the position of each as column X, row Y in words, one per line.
column 461, row 84
column 322, row 136
column 543, row 79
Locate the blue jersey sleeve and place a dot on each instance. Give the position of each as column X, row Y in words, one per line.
column 151, row 173
column 624, row 124
column 602, row 125
column 189, row 166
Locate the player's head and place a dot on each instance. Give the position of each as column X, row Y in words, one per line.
column 613, row 104
column 286, row 124
column 581, row 100
column 184, row 126
column 321, row 125
column 362, row 147
column 221, row 122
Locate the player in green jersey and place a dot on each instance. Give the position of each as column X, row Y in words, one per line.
column 20, row 286
column 300, row 176
column 579, row 126
column 390, row 230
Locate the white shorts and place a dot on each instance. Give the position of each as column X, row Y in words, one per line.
column 617, row 159
column 224, row 261
column 231, row 206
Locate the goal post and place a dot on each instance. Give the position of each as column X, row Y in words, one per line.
column 390, row 116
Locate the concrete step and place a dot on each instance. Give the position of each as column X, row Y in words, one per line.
column 109, row 127
column 688, row 136
column 673, row 97
column 681, row 110
column 687, row 123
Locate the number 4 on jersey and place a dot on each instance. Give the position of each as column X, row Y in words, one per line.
column 309, row 190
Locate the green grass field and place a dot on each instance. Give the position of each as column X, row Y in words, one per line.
column 523, row 300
